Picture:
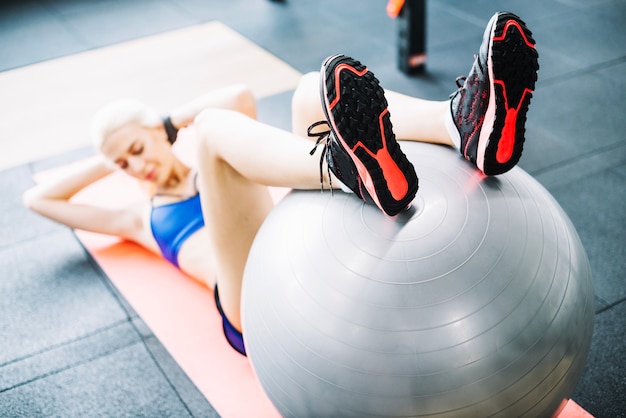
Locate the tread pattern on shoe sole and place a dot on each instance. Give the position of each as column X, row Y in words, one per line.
column 515, row 65
column 361, row 120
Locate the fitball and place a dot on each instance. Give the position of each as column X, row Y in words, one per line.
column 475, row 301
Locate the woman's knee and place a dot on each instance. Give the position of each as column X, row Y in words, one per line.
column 306, row 90
column 213, row 122
column 305, row 104
column 213, row 126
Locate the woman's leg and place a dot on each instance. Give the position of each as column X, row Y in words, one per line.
column 238, row 158
column 418, row 119
column 413, row 119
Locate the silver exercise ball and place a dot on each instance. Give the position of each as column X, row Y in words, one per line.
column 477, row 301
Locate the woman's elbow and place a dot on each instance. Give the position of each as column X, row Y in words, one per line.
column 34, row 200
column 30, row 198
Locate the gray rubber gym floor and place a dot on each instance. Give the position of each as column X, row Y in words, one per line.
column 72, row 347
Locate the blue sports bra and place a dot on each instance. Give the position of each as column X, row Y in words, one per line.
column 173, row 223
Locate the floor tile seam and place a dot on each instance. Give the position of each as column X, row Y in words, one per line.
column 604, row 303
column 577, row 7
column 28, row 239
column 69, row 366
column 91, row 47
column 459, row 13
column 115, row 293
column 579, row 72
column 130, row 318
column 62, row 20
column 574, row 160
column 53, row 161
column 67, row 343
column 184, row 11
column 66, row 23
column 157, row 364
column 611, row 305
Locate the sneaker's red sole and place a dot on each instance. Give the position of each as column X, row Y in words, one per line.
column 356, row 108
column 512, row 65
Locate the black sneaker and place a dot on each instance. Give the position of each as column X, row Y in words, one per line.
column 489, row 109
column 337, row 161
column 361, row 148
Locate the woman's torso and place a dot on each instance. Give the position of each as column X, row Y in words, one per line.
column 172, row 223
column 173, row 226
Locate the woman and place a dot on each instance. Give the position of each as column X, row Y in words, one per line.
column 217, row 207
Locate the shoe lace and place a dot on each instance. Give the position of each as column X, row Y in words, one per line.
column 460, row 81
column 322, row 137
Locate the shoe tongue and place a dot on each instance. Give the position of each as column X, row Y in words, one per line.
column 342, row 166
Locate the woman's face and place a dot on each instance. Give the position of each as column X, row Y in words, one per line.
column 142, row 152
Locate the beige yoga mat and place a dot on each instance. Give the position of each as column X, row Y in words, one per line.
column 46, row 108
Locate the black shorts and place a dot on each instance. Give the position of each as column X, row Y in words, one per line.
column 233, row 336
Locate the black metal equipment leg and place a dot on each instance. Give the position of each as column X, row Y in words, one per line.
column 412, row 37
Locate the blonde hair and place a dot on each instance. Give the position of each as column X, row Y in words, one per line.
column 119, row 113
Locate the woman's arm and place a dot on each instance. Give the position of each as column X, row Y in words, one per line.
column 52, row 200
column 236, row 97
